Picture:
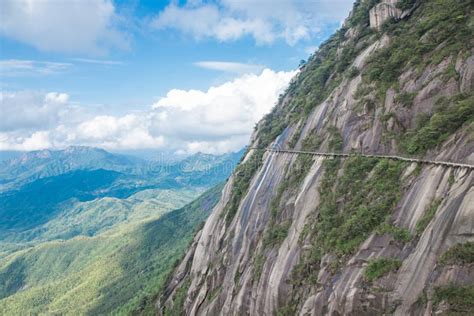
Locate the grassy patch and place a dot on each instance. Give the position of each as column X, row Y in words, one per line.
column 379, row 267
column 276, row 234
column 448, row 117
column 352, row 207
column 336, row 141
column 445, row 22
column 398, row 233
column 353, row 72
column 428, row 215
column 405, row 99
column 459, row 254
column 286, row 310
column 179, row 299
column 367, row 201
column 312, row 142
column 242, row 176
column 459, row 298
column 405, row 4
column 450, row 73
column 258, row 263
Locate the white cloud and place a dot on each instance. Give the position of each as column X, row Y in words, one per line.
column 232, row 143
column 221, row 118
column 32, row 110
column 98, row 61
column 264, row 20
column 232, row 67
column 22, row 67
column 208, row 21
column 35, row 141
column 128, row 132
column 87, row 26
column 218, row 120
column 25, row 67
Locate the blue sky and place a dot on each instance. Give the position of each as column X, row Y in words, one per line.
column 137, row 66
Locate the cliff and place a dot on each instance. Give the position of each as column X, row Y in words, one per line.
column 297, row 234
column 383, row 11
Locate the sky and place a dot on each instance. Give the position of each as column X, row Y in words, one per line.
column 179, row 76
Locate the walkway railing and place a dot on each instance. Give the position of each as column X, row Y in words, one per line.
column 345, row 155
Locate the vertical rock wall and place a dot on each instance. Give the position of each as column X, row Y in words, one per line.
column 248, row 265
column 384, row 11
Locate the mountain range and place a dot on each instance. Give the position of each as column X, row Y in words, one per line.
column 65, row 213
column 47, row 163
column 317, row 216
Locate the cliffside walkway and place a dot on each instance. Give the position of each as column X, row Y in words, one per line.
column 345, row 155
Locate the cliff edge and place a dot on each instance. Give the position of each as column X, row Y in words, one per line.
column 297, row 234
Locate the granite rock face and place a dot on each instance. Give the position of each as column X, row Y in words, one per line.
column 250, row 264
column 383, row 11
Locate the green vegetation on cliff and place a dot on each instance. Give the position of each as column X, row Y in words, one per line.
column 460, row 299
column 379, row 267
column 405, row 4
column 242, row 176
column 399, row 234
column 351, row 207
column 458, row 254
column 428, row 215
column 437, row 22
column 432, row 130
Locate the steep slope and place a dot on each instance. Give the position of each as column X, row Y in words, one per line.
column 113, row 272
column 297, row 234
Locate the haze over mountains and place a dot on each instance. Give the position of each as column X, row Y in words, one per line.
column 45, row 163
column 65, row 212
column 296, row 231
column 39, row 186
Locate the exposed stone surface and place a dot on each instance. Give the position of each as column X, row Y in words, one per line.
column 237, row 245
column 467, row 75
column 383, row 11
column 224, row 258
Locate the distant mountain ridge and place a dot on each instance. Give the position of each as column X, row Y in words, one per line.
column 77, row 223
column 39, row 186
column 34, row 165
column 45, row 163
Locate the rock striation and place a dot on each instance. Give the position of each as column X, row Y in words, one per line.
column 384, row 11
column 296, row 235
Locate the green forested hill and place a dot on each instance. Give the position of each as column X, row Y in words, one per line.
column 84, row 231
column 114, row 271
column 49, row 195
